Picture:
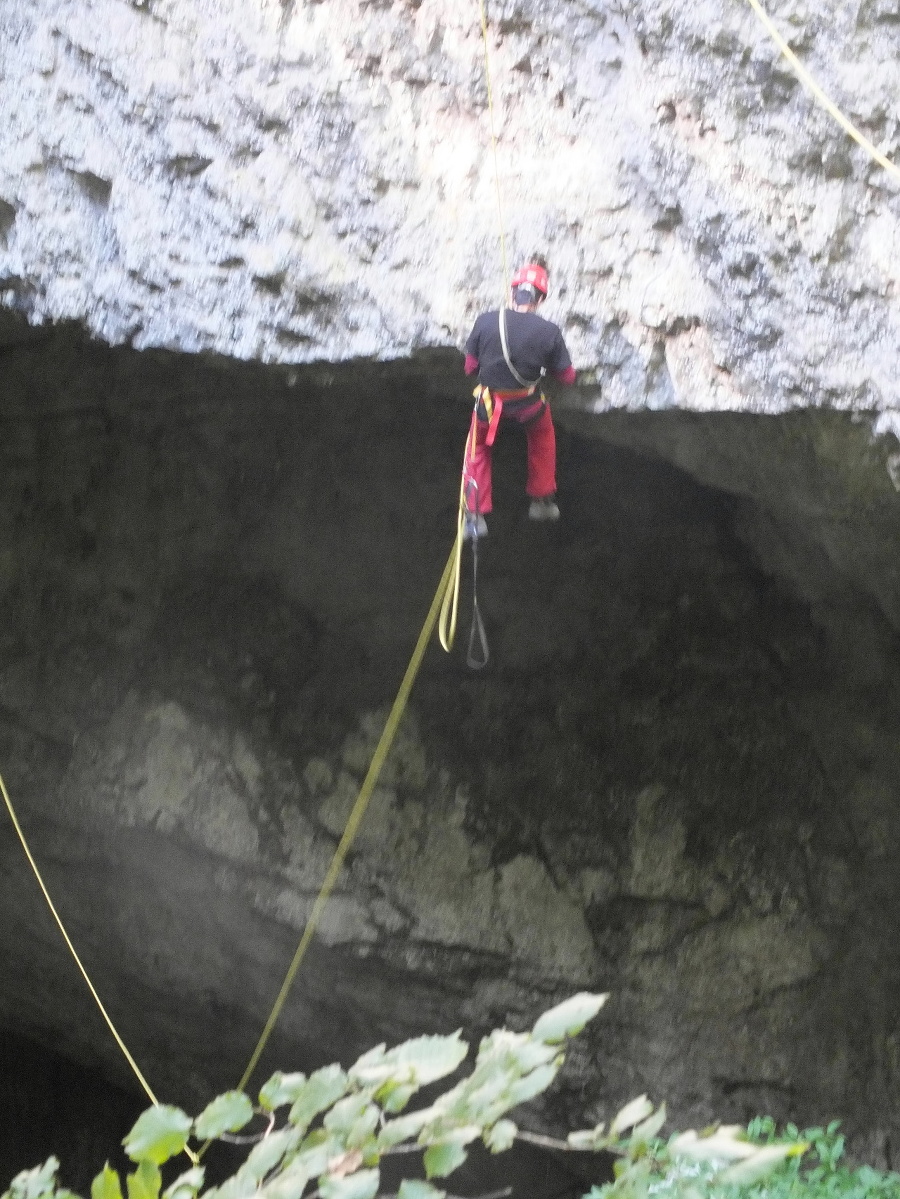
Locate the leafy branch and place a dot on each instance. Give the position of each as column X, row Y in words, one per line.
column 337, row 1125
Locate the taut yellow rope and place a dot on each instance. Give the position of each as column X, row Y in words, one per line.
column 827, row 103
column 68, row 940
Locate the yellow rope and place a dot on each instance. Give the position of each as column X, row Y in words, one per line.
column 450, row 600
column 356, row 815
column 825, row 100
column 72, row 950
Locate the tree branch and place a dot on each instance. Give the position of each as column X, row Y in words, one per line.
column 537, row 1138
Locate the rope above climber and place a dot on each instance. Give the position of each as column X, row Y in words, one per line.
column 512, row 349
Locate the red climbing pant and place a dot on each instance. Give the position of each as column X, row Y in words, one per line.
column 541, row 457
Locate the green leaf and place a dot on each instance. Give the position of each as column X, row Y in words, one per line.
column 290, row 1184
column 265, row 1156
column 650, row 1127
column 145, row 1182
column 419, row 1061
column 346, row 1112
column 441, row 1160
column 362, row 1130
column 281, row 1089
column 632, row 1113
column 227, row 1113
column 723, row 1144
column 587, row 1138
column 361, row 1185
column 235, row 1188
column 319, row 1092
column 446, row 1132
column 501, row 1137
column 483, row 1104
column 372, row 1066
column 317, row 1151
column 354, row 1119
column 533, row 1084
column 531, row 1054
column 29, row 1184
column 107, row 1184
column 396, row 1098
column 185, row 1185
column 414, row 1188
column 568, row 1018
column 159, row 1134
column 404, row 1127
column 755, row 1167
column 499, row 1045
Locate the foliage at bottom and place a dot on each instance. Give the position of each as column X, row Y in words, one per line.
column 324, row 1136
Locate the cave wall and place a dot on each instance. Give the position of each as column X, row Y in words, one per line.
column 289, row 182
column 676, row 782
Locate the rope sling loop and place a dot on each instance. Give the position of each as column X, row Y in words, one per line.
column 477, row 635
column 827, row 103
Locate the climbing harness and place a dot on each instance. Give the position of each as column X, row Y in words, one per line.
column 824, row 99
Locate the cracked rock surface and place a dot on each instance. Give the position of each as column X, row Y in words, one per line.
column 301, row 181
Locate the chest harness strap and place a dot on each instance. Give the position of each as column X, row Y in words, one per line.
column 504, row 344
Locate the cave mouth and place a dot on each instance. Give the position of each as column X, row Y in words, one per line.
column 255, row 548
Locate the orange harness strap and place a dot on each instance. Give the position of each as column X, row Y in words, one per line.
column 493, row 407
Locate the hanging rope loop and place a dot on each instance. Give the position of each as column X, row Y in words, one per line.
column 477, row 653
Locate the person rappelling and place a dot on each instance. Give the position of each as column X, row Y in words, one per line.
column 512, row 349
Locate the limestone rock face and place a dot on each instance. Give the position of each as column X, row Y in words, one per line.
column 292, row 181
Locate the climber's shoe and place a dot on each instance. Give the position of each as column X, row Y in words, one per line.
column 546, row 508
column 474, row 526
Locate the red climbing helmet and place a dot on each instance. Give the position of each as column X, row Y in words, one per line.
column 532, row 273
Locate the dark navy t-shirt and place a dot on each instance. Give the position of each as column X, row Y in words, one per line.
column 534, row 343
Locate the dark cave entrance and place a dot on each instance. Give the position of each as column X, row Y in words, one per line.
column 258, row 546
